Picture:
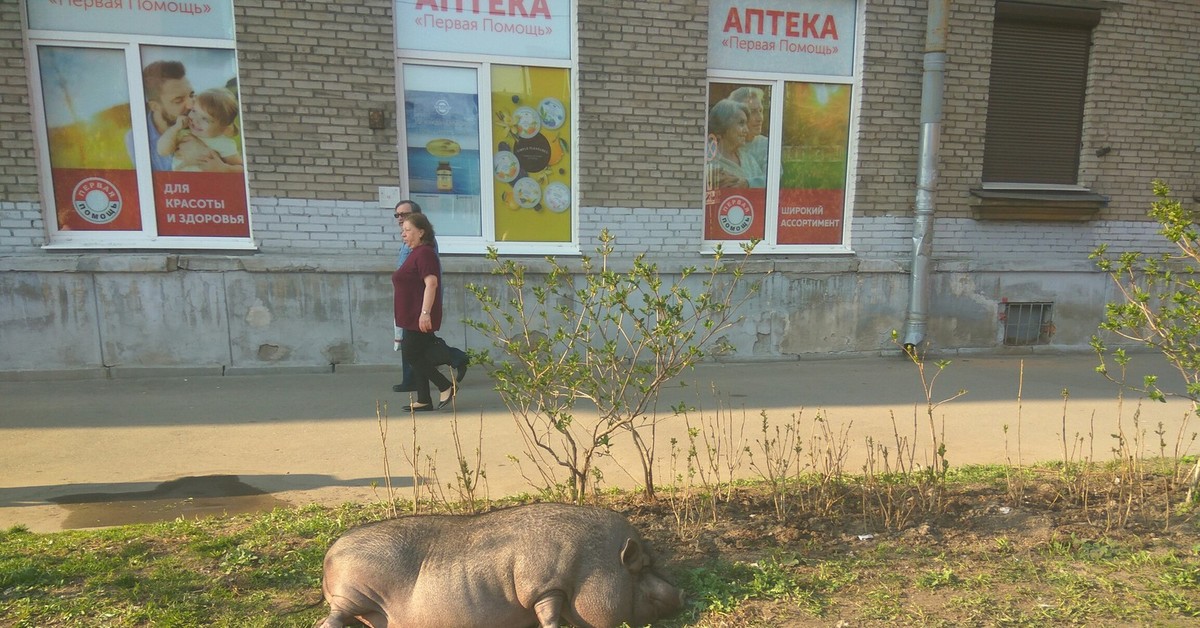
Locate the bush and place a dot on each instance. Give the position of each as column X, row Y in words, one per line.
column 606, row 338
column 1161, row 304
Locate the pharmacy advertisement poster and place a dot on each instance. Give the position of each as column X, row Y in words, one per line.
column 87, row 113
column 441, row 113
column 735, row 161
column 531, row 158
column 812, row 178
column 193, row 122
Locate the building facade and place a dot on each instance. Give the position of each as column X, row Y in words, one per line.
column 966, row 156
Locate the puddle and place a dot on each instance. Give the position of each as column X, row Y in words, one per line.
column 190, row 497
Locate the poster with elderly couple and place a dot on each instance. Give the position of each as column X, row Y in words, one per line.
column 810, row 167
column 779, row 119
column 182, row 146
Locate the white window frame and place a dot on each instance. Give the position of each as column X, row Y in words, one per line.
column 776, row 82
column 483, row 66
column 148, row 237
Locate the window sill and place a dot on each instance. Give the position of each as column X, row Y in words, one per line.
column 1043, row 205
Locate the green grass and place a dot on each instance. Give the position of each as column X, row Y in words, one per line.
column 265, row 570
column 243, row 571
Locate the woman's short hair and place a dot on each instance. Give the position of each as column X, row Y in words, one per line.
column 721, row 116
column 421, row 221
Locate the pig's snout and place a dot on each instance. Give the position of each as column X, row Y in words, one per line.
column 677, row 604
column 660, row 599
column 674, row 604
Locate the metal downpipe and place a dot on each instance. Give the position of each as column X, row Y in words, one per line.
column 932, row 92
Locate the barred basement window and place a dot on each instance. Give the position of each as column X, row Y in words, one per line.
column 1027, row 324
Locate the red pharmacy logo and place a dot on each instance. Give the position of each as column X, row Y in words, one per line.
column 736, row 214
column 97, row 200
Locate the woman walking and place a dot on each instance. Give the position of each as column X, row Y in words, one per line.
column 417, row 304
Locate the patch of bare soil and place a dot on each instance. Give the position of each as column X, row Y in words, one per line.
column 1049, row 557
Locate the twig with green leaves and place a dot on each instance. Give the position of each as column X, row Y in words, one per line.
column 605, row 338
column 940, row 465
column 1160, row 307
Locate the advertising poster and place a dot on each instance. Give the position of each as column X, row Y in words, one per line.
column 522, row 28
column 192, row 117
column 812, row 180
column 211, row 19
column 784, row 36
column 736, row 158
column 531, row 159
column 87, row 112
column 441, row 113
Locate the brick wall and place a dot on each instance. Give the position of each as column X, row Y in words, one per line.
column 968, row 71
column 310, row 71
column 642, row 77
column 666, row 233
column 1125, row 74
column 1142, row 105
column 21, row 225
column 889, row 131
column 18, row 169
column 299, row 225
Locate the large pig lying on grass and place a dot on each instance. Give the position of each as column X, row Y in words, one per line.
column 518, row 567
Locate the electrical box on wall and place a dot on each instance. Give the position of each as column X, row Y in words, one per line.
column 389, row 195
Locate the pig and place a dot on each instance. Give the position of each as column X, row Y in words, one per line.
column 532, row 565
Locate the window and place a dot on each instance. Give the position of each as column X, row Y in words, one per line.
column 1035, row 97
column 487, row 127
column 167, row 173
column 781, row 97
column 1034, row 131
column 1027, row 324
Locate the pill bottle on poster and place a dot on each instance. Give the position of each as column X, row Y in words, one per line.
column 445, row 177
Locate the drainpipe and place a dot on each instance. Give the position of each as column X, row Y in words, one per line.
column 932, row 89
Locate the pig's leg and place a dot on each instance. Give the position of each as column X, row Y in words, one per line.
column 549, row 608
column 342, row 612
column 336, row 619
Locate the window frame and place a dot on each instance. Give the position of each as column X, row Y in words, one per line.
column 999, row 196
column 1027, row 42
column 483, row 64
column 777, row 82
column 130, row 46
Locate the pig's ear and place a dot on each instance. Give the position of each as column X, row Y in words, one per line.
column 632, row 556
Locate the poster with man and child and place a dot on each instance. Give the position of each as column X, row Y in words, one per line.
column 183, row 133
column 192, row 117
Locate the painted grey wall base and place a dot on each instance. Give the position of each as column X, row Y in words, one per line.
column 159, row 314
column 324, row 303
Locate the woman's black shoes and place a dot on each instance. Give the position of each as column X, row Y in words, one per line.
column 443, row 400
column 460, row 372
column 446, row 397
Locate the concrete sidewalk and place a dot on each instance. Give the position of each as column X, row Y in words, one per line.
column 106, row 452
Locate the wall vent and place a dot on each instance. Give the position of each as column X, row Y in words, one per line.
column 1027, row 324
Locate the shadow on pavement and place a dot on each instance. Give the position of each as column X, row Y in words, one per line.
column 190, row 497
